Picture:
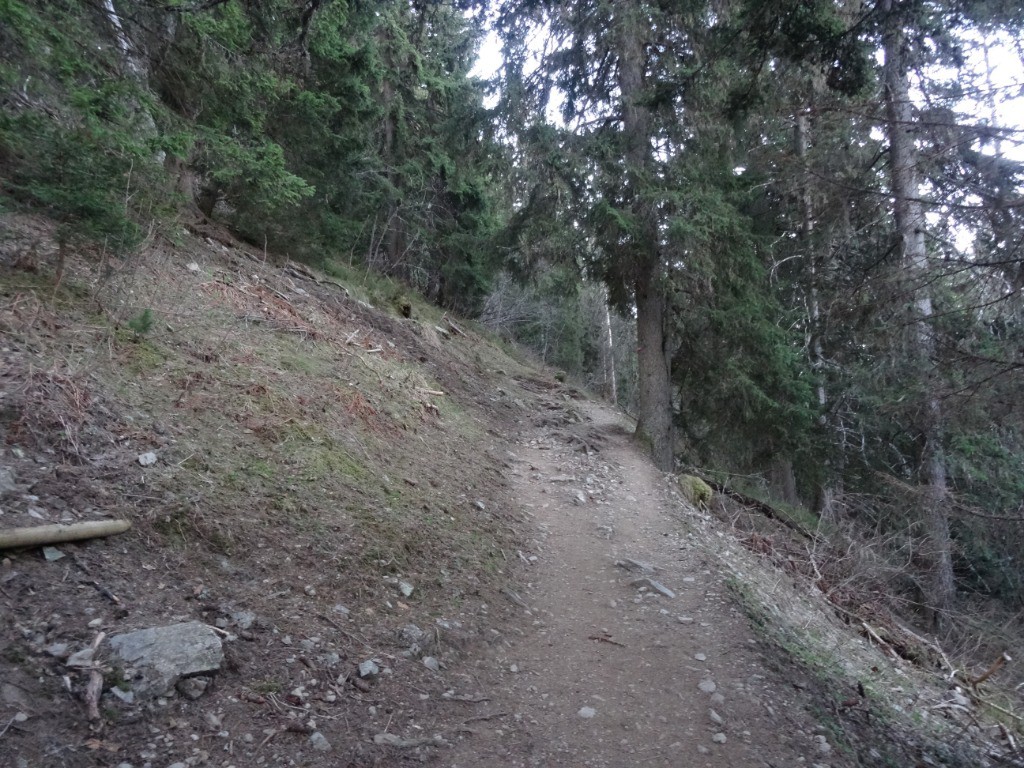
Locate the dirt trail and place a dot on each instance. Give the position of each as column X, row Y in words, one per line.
column 668, row 681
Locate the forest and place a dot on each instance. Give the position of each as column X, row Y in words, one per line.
column 784, row 234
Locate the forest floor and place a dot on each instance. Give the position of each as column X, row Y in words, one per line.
column 412, row 544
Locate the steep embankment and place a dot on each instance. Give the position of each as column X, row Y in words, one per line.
column 385, row 539
column 290, row 458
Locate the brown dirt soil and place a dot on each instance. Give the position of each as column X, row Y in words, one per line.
column 668, row 681
column 315, row 454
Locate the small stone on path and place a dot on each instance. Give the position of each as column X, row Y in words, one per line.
column 319, row 742
column 708, row 686
column 587, row 712
column 719, row 738
column 630, row 564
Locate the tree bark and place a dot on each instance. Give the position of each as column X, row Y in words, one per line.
column 654, row 423
column 829, row 487
column 910, row 229
column 611, row 387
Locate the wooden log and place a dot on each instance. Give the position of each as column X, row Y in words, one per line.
column 54, row 534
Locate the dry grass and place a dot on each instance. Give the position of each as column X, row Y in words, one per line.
column 842, row 604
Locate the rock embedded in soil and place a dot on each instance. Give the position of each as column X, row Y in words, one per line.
column 244, row 619
column 164, row 655
column 319, row 742
column 707, row 686
column 7, row 482
column 587, row 712
column 192, row 687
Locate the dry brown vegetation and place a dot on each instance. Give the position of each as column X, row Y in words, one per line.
column 311, row 451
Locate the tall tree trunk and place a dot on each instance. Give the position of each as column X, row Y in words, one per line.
column 654, row 425
column 910, row 229
column 827, row 489
column 611, row 386
column 654, row 422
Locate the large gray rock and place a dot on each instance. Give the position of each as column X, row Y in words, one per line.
column 161, row 656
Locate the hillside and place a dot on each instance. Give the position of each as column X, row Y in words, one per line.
column 405, row 538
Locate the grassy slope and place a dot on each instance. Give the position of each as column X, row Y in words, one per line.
column 312, row 451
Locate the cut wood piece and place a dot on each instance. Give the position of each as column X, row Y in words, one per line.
column 54, row 534
column 454, row 327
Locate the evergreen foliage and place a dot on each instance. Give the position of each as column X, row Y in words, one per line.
column 311, row 129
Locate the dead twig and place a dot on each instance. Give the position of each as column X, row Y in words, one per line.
column 603, row 639
column 481, row 718
column 102, row 590
column 997, row 708
column 94, row 688
column 873, row 635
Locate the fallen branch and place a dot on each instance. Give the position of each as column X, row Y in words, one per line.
column 763, row 507
column 92, row 693
column 997, row 708
column 514, row 598
column 873, row 635
column 94, row 688
column 54, row 534
column 453, row 326
column 996, row 666
column 481, row 718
